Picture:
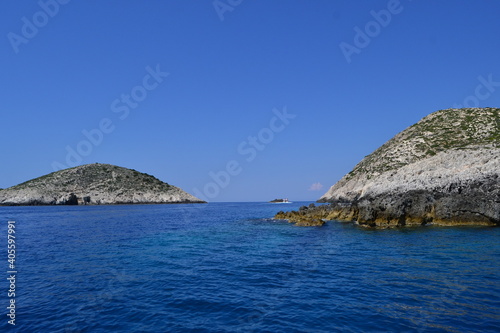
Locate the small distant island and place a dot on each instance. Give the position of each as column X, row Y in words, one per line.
column 280, row 201
column 443, row 170
column 94, row 184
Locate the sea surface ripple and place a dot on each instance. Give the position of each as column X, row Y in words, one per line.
column 227, row 267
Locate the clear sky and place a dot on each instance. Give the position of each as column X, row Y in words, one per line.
column 235, row 100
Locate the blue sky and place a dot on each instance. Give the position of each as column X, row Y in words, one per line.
column 263, row 98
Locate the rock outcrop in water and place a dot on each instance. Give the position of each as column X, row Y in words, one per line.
column 94, row 184
column 304, row 217
column 279, row 201
column 442, row 170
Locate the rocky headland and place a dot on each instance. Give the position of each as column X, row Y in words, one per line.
column 443, row 170
column 94, row 184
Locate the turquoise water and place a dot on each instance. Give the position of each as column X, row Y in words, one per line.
column 226, row 267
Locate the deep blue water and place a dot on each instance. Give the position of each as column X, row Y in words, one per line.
column 225, row 267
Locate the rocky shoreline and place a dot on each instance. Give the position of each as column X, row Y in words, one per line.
column 306, row 216
column 414, row 208
column 443, row 170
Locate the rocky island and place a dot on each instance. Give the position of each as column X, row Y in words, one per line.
column 443, row 170
column 280, row 201
column 94, row 184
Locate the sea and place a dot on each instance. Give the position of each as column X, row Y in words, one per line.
column 229, row 267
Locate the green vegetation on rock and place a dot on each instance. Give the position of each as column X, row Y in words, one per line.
column 439, row 131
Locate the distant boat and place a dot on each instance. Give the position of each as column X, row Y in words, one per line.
column 285, row 200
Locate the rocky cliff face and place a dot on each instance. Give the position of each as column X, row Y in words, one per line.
column 94, row 184
column 442, row 170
